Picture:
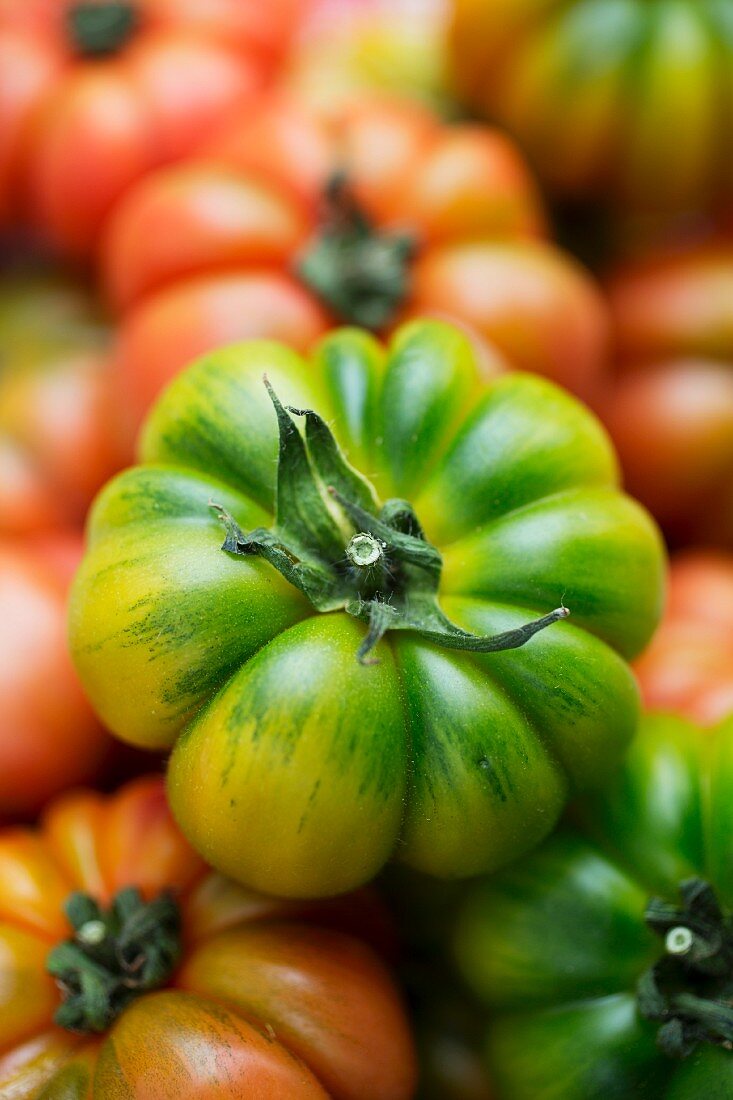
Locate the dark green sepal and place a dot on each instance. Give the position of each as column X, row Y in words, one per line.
column 381, row 617
column 302, row 517
column 396, row 588
column 325, row 589
column 99, row 29
column 114, row 956
column 330, row 463
column 362, row 274
column 689, row 990
column 424, row 618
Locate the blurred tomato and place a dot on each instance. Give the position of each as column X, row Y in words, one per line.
column 688, row 668
column 671, row 411
column 95, row 94
column 351, row 47
column 293, row 223
column 173, row 983
column 58, row 437
column 622, row 99
column 49, row 738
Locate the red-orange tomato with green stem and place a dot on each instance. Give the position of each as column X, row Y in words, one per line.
column 49, row 738
column 670, row 412
column 688, row 667
column 207, row 991
column 95, row 94
column 291, row 223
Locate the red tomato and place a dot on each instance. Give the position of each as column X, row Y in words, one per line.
column 291, row 222
column 671, row 410
column 688, row 668
column 229, row 995
column 49, row 738
column 96, row 94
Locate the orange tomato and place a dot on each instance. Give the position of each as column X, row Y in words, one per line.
column 688, row 668
column 217, row 993
column 58, row 437
column 49, row 738
column 670, row 411
column 289, row 222
column 96, row 94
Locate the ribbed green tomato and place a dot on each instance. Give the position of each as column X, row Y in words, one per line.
column 605, row 979
column 630, row 99
column 299, row 766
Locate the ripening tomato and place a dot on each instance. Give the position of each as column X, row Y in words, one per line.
column 670, row 412
column 688, row 667
column 613, row 98
column 294, row 223
column 173, row 983
column 49, row 737
column 94, row 94
column 604, row 958
column 60, row 435
column 299, row 765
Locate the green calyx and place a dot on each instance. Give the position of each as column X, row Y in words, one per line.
column 334, row 542
column 362, row 275
column 101, row 28
column 114, row 956
column 690, row 988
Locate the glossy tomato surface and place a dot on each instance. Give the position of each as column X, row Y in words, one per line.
column 298, row 767
column 50, row 737
column 627, row 100
column 291, row 223
column 265, row 998
column 594, row 989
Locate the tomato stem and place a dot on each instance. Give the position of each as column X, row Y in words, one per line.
column 689, row 990
column 97, row 29
column 380, row 567
column 361, row 274
column 114, row 956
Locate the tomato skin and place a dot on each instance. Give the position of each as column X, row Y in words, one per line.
column 399, row 759
column 555, row 946
column 688, row 667
column 81, row 129
column 51, row 739
column 253, row 201
column 60, row 436
column 268, row 999
column 531, row 304
column 186, row 321
column 562, row 81
column 670, row 412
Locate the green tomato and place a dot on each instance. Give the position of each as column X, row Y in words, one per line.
column 331, row 682
column 606, row 956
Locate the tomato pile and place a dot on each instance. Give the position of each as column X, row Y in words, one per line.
column 366, row 550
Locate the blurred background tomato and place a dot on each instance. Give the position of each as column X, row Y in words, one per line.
column 624, row 100
column 290, row 222
column 670, row 411
column 49, row 738
column 59, row 439
column 94, row 95
column 688, row 667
